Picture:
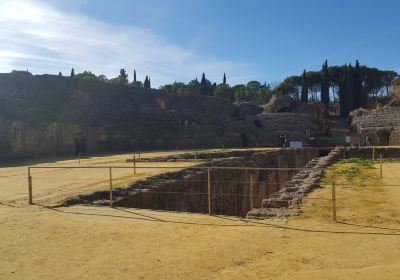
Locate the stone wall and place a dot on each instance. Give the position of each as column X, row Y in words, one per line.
column 187, row 190
column 286, row 202
column 367, row 152
column 378, row 127
column 46, row 116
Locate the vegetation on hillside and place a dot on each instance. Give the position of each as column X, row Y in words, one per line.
column 350, row 87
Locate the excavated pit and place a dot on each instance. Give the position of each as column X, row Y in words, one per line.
column 231, row 192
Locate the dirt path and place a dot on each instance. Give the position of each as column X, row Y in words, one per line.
column 103, row 243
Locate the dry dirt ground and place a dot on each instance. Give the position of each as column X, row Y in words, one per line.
column 38, row 242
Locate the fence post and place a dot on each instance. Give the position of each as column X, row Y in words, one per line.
column 195, row 156
column 209, row 190
column 380, row 167
column 251, row 190
column 334, row 195
column 134, row 164
column 111, row 187
column 30, row 186
column 373, row 154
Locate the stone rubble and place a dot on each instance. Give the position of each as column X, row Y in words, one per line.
column 286, row 202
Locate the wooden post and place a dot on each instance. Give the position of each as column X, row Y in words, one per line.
column 134, row 164
column 195, row 156
column 111, row 187
column 251, row 190
column 30, row 186
column 380, row 167
column 79, row 158
column 209, row 191
column 139, row 155
column 373, row 154
column 334, row 196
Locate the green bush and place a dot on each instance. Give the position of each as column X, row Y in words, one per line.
column 358, row 161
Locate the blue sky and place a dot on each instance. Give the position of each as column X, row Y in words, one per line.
column 177, row 40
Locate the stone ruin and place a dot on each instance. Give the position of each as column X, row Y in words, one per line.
column 380, row 127
column 186, row 190
column 52, row 116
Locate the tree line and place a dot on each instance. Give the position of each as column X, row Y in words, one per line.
column 253, row 91
column 121, row 79
column 351, row 86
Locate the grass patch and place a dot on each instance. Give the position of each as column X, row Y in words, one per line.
column 353, row 170
column 349, row 173
column 365, row 163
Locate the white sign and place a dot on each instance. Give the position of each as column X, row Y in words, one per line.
column 296, row 144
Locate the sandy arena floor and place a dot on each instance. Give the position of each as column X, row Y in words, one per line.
column 38, row 242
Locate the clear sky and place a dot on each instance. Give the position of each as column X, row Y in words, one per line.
column 177, row 40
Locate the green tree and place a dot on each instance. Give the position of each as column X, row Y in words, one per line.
column 72, row 73
column 134, row 75
column 192, row 87
column 146, row 82
column 359, row 100
column 224, row 79
column 325, row 84
column 304, row 88
column 225, row 91
column 136, row 84
column 343, row 93
column 289, row 86
column 205, row 86
column 123, row 77
column 86, row 75
column 102, row 78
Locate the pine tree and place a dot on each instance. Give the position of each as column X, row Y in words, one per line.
column 123, row 77
column 72, row 73
column 325, row 84
column 59, row 74
column 134, row 75
column 149, row 83
column 224, row 79
column 304, row 88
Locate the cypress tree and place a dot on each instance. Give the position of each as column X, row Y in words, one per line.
column 304, row 88
column 149, row 83
column 342, row 92
column 224, row 79
column 203, row 79
column 59, row 74
column 72, row 73
column 213, row 87
column 146, row 81
column 134, row 75
column 359, row 100
column 203, row 85
column 349, row 97
column 325, row 84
